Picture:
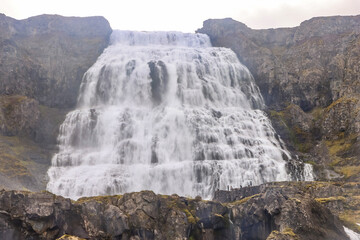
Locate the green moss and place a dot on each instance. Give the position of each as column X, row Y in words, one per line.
column 339, row 150
column 316, row 185
column 191, row 219
column 350, row 219
column 99, row 199
column 14, row 156
column 349, row 171
column 289, row 232
column 69, row 237
column 311, row 162
column 275, row 114
column 295, row 199
column 342, row 100
column 173, row 202
column 330, row 199
column 339, row 146
column 317, row 114
column 244, row 200
column 8, row 102
column 218, row 215
column 301, row 140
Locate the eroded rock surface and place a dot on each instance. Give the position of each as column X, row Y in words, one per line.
column 342, row 199
column 273, row 212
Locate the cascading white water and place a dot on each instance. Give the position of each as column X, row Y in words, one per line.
column 167, row 112
column 351, row 234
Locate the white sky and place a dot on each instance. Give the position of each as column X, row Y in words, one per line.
column 184, row 15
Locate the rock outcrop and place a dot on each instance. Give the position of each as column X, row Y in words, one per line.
column 342, row 199
column 273, row 212
column 309, row 77
column 42, row 62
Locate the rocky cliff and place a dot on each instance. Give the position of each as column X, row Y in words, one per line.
column 309, row 76
column 272, row 211
column 45, row 57
column 42, row 62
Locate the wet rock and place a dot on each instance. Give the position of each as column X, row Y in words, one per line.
column 159, row 80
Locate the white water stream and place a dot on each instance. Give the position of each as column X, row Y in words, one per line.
column 165, row 111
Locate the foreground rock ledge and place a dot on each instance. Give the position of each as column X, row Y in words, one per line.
column 271, row 211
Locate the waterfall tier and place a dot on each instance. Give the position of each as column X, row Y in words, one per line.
column 166, row 112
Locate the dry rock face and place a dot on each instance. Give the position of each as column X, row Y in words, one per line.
column 18, row 115
column 42, row 61
column 274, row 212
column 45, row 57
column 309, row 76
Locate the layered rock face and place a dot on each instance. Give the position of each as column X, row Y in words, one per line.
column 277, row 211
column 309, row 77
column 42, row 62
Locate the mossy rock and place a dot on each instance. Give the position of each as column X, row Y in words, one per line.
column 23, row 163
column 330, row 199
column 286, row 234
column 243, row 200
column 293, row 133
column 69, row 237
column 99, row 199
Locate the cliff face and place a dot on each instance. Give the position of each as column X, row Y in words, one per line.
column 42, row 62
column 45, row 57
column 309, row 76
column 278, row 211
column 311, row 65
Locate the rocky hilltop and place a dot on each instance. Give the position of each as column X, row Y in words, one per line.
column 309, row 76
column 273, row 211
column 42, row 62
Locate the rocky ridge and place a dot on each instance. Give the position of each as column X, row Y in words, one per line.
column 272, row 211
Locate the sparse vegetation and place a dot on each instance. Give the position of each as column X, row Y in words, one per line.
column 244, row 200
column 69, row 237
column 100, row 199
column 330, row 199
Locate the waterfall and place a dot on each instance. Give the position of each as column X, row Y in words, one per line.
column 165, row 111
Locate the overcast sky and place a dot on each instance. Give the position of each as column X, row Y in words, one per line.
column 184, row 15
